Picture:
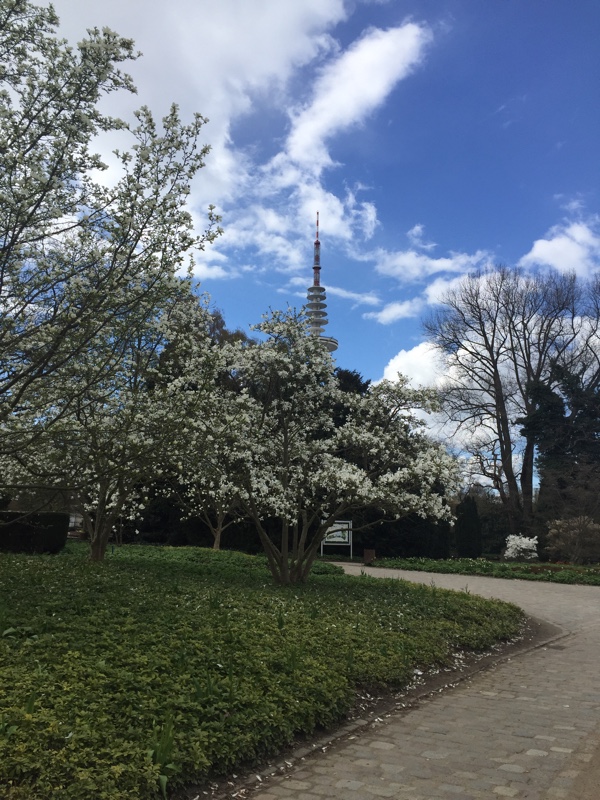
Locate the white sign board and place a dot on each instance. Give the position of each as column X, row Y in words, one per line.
column 339, row 533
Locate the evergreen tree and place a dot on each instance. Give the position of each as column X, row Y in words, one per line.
column 566, row 429
column 468, row 529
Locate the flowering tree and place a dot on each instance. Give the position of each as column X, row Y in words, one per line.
column 80, row 260
column 521, row 548
column 209, row 463
column 118, row 436
column 304, row 471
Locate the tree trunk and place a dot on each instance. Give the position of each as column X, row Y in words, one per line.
column 527, row 485
column 98, row 547
column 102, row 523
column 285, row 576
column 273, row 555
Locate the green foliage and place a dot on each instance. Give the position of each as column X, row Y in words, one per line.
column 161, row 752
column 555, row 573
column 174, row 664
column 35, row 533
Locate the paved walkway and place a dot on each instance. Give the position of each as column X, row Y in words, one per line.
column 528, row 727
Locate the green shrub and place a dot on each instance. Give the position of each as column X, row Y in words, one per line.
column 576, row 539
column 35, row 533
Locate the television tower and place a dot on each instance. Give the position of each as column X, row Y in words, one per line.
column 316, row 305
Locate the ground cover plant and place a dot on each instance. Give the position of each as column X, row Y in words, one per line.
column 552, row 572
column 162, row 666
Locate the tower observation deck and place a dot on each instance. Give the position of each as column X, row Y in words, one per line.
column 316, row 305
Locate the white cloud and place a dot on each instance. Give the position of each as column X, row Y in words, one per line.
column 411, row 265
column 366, row 299
column 217, row 59
column 310, row 196
column 439, row 287
column 572, row 246
column 352, row 87
column 573, row 205
column 407, row 309
column 251, row 46
column 415, row 237
column 281, row 227
column 368, row 219
column 212, row 272
column 392, row 312
column 230, row 61
column 358, row 298
column 421, row 365
column 210, row 264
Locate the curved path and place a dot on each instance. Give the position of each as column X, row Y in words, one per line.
column 529, row 727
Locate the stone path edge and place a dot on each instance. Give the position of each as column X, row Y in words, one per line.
column 536, row 634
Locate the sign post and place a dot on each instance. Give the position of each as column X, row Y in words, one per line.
column 339, row 533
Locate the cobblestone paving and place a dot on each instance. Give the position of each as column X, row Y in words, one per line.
column 527, row 728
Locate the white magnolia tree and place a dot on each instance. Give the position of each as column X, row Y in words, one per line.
column 81, row 261
column 89, row 286
column 305, row 466
column 521, row 548
column 205, row 475
column 120, row 436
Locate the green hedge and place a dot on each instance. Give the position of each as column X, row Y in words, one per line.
column 34, row 533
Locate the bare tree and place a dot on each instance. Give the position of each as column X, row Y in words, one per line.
column 502, row 332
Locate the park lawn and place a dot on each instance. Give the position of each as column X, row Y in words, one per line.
column 164, row 666
column 529, row 571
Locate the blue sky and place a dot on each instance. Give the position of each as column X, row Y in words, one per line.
column 433, row 136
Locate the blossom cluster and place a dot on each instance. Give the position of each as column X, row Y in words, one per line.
column 521, row 548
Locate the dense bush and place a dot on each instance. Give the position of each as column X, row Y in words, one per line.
column 181, row 662
column 34, row 533
column 576, row 539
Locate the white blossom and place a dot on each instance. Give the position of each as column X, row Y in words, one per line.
column 521, row 548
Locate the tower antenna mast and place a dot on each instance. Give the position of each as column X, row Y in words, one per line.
column 316, row 305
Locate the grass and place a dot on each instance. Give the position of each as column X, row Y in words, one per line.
column 164, row 666
column 530, row 571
